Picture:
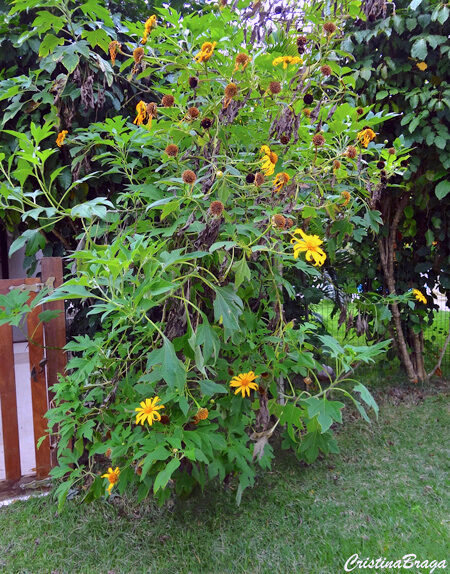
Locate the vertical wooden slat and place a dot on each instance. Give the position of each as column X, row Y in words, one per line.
column 55, row 331
column 39, row 395
column 10, row 424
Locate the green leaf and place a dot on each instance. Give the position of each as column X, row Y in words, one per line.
column 48, row 44
column 325, row 410
column 210, row 388
column 171, row 369
column 366, row 397
column 48, row 315
column 163, row 477
column 97, row 37
column 160, row 453
column 419, row 49
column 242, row 271
column 415, row 4
column 442, row 189
column 228, row 307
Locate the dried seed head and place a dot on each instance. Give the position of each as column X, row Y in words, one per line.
column 380, row 164
column 189, row 176
column 391, row 150
column 284, row 139
column 326, row 70
column 216, row 208
column 202, row 414
column 279, row 221
column 383, row 173
column 351, row 152
column 275, row 87
column 206, row 123
column 404, row 163
column 193, row 112
column 139, row 470
column 231, row 90
column 329, row 27
column 308, row 99
column 168, row 100
column 346, row 196
column 301, row 40
column 152, row 110
column 336, row 164
column 289, row 223
column 307, row 381
column 259, row 179
column 241, row 60
column 193, row 82
column 138, row 54
column 383, row 180
column 172, row 150
column 165, row 420
column 108, row 453
column 250, row 178
column 318, row 140
column 307, row 112
column 360, row 111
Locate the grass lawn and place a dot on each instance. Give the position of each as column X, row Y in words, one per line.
column 384, row 496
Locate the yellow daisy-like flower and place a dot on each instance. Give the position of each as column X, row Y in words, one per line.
column 61, row 137
column 366, row 136
column 269, row 160
column 286, row 60
column 244, row 382
column 141, row 110
column 206, row 51
column 419, row 295
column 148, row 27
column 422, row 66
column 112, row 476
column 280, row 181
column 310, row 244
column 148, row 411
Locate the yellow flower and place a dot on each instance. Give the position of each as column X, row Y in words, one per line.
column 244, row 382
column 113, row 47
column 148, row 27
column 286, row 60
column 269, row 160
column 419, row 296
column 148, row 411
column 366, row 136
column 141, row 110
column 206, row 51
column 112, row 476
column 309, row 244
column 280, row 180
column 61, row 137
column 422, row 66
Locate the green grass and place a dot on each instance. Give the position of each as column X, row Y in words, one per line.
column 384, row 496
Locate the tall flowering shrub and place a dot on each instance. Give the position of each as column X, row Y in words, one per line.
column 235, row 168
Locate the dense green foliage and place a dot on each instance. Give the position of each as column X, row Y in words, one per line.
column 196, row 228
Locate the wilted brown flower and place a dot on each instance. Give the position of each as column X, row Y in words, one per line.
column 351, row 152
column 284, row 139
column 138, row 54
column 326, row 70
column 242, row 60
column 289, row 223
column 380, row 164
column 318, row 140
column 165, row 420
column 346, row 195
column 259, row 179
column 206, row 123
column 193, row 112
column 230, row 91
column 139, row 470
column 383, row 173
column 152, row 110
column 193, row 82
column 329, row 27
column 307, row 381
column 301, row 41
column 279, row 221
column 336, row 164
column 307, row 112
column 360, row 111
column 189, row 176
column 250, row 178
column 275, row 87
column 108, row 453
column 216, row 208
column 168, row 100
column 391, row 150
column 172, row 150
column 308, row 99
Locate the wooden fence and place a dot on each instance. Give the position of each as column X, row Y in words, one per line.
column 47, row 359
